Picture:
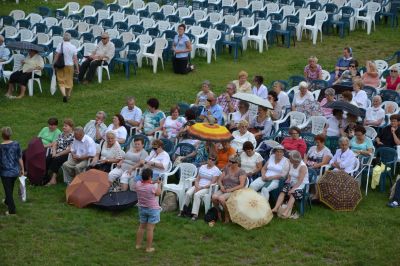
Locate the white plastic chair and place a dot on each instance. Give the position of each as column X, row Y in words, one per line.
column 318, row 124
column 50, row 21
column 132, row 20
column 369, row 18
column 66, row 24
column 34, row 79
column 316, row 94
column 256, row 5
column 198, row 15
column 127, row 37
column 117, row 16
column 182, row 12
column 42, row 38
column 197, row 32
column 326, row 75
column 152, row 7
column 366, row 163
column 82, row 26
column 296, row 119
column 214, row 17
column 147, row 23
column 212, row 37
column 264, row 26
column 138, row 4
column 87, row 11
column 25, row 35
column 6, row 74
column 17, row 14
column 163, row 25
column 381, row 65
column 34, row 18
column 160, row 45
column 320, row 18
column 167, row 10
column 370, row 132
column 96, row 30
column 123, row 3
column 102, row 14
column 113, row 33
column 302, row 14
column 73, row 7
column 187, row 175
column 272, row 8
column 207, row 197
column 394, row 105
column 242, row 4
column 9, row 31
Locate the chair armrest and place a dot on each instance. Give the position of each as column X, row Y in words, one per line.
column 323, row 169
column 301, row 126
column 165, row 176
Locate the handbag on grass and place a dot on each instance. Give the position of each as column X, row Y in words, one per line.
column 60, row 63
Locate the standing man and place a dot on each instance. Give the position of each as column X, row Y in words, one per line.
column 131, row 114
column 102, row 55
column 96, row 129
column 82, row 148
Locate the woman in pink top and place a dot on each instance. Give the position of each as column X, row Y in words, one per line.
column 393, row 80
column 371, row 77
column 329, row 97
column 149, row 209
column 312, row 71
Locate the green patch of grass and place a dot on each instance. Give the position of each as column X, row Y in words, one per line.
column 47, row 231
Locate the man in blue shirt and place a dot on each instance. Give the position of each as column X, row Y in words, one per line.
column 213, row 111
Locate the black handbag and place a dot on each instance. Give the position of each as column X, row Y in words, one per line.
column 60, row 63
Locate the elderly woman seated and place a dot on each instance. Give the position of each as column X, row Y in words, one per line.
column 33, row 62
column 242, row 85
column 124, row 170
column 261, row 125
column 375, row 115
column 360, row 97
column 344, row 158
column 241, row 114
column 118, row 128
column 283, row 98
column 251, row 161
column 276, row 113
column 294, row 184
column 274, row 169
column 312, row 71
column 50, row 133
column 329, row 97
column 302, row 96
column 242, row 135
column 207, row 175
column 172, row 125
column 318, row 155
column 294, row 142
column 108, row 152
column 393, row 79
column 151, row 118
column 360, row 144
column 231, row 179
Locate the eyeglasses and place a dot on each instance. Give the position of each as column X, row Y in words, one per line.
column 393, row 71
column 293, row 133
column 211, row 159
column 232, row 161
column 104, row 38
column 352, row 66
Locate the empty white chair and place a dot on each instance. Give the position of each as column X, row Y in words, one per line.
column 339, row 3
column 138, row 4
column 17, row 61
column 182, row 12
column 17, row 14
column 381, row 65
column 34, row 18
column 113, row 33
column 123, row 3
column 50, row 21
column 167, row 10
column 256, row 5
column 272, row 8
column 117, row 16
column 326, row 75
column 198, row 15
column 82, row 27
column 264, row 26
column 132, row 20
column 9, row 31
column 320, row 17
column 102, row 14
column 228, row 2
column 87, row 11
column 230, row 20
column 56, row 40
column 296, row 119
column 370, row 132
column 163, row 25
column 287, row 10
column 72, row 7
column 318, row 124
column 197, row 32
column 302, row 14
column 214, row 17
column 25, row 35
column 152, row 7
column 76, row 43
column 160, row 45
column 66, row 24
column 96, row 30
column 390, row 108
column 127, row 37
column 42, row 38
column 369, row 18
column 147, row 23
column 212, row 37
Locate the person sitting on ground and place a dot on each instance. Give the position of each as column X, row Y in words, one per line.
column 102, row 55
column 276, row 113
column 60, row 150
column 329, row 97
column 375, row 115
column 261, row 125
column 96, row 128
column 360, row 144
column 124, row 169
column 131, row 114
column 274, row 169
column 348, row 75
column 344, row 158
column 312, row 71
column 108, row 152
column 117, row 126
column 360, row 97
column 294, row 142
column 296, row 180
column 302, row 96
column 151, row 118
column 171, row 125
column 389, row 136
column 242, row 85
column 251, row 161
column 50, row 133
column 213, row 112
column 259, row 88
column 33, row 63
column 242, row 135
column 231, row 179
column 283, row 98
column 225, row 100
column 371, row 76
column 393, row 79
column 241, row 114
column 201, row 97
column 82, row 149
column 223, row 153
column 208, row 174
column 318, row 155
column 335, row 124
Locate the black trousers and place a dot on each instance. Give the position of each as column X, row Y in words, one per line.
column 90, row 67
column 54, row 163
column 8, row 184
column 396, row 196
column 181, row 65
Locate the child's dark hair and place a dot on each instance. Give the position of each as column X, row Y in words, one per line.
column 147, row 174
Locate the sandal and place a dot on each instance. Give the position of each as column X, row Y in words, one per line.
column 149, row 250
column 194, row 218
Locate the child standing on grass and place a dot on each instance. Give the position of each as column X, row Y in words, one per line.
column 149, row 209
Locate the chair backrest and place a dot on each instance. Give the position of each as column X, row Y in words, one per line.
column 34, row 18
column 17, row 14
column 213, row 35
column 66, row 23
column 88, row 48
column 372, row 8
column 230, row 20
column 184, row 149
column 183, row 12
column 389, row 95
column 320, row 17
column 370, row 132
column 152, row 7
column 102, row 14
column 198, row 15
column 271, row 8
column 303, row 13
column 97, row 30
column 138, row 4
column 388, row 156
column 355, row 3
column 25, row 34
column 167, row 10
column 318, row 124
column 339, row 3
column 287, row 10
column 18, row 58
column 326, row 75
column 196, row 30
column 127, row 37
column 390, row 107
column 113, row 33
column 42, row 38
column 132, row 20
column 161, row 44
column 147, row 23
column 296, row 118
column 88, row 11
column 82, row 27
column 256, row 5
column 187, row 172
column 72, row 7
column 117, row 16
column 246, row 22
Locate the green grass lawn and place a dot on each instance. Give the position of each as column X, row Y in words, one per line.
column 47, row 231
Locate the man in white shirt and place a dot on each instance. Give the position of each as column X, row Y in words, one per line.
column 82, row 148
column 102, row 55
column 96, row 128
column 375, row 115
column 344, row 158
column 131, row 114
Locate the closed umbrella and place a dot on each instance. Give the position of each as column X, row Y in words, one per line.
column 87, row 187
column 24, row 46
column 35, row 161
column 116, row 201
column 210, row 132
column 339, row 191
column 344, row 106
column 252, row 98
column 249, row 209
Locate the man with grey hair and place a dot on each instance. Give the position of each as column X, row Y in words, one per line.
column 65, row 75
column 131, row 113
column 225, row 100
column 82, row 148
column 344, row 158
column 102, row 55
column 96, row 128
column 375, row 115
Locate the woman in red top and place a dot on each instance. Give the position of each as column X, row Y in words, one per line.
column 294, row 142
column 393, row 80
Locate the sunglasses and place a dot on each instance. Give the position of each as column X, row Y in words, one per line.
column 211, row 159
column 232, row 161
column 208, row 100
column 352, row 66
column 393, row 71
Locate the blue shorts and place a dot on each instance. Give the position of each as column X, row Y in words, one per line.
column 149, row 216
